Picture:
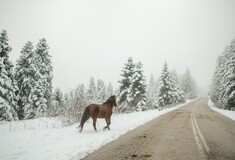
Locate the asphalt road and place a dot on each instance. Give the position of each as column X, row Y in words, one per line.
column 192, row 132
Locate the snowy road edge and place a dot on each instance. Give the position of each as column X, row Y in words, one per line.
column 229, row 114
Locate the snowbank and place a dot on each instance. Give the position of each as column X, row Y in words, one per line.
column 229, row 114
column 39, row 124
column 45, row 138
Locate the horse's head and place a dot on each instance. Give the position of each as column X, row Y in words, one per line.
column 111, row 101
column 114, row 100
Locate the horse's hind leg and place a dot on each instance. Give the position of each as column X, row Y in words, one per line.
column 109, row 122
column 94, row 122
column 83, row 121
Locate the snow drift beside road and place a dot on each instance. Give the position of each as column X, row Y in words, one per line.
column 45, row 138
column 229, row 114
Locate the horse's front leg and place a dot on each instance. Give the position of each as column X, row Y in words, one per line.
column 108, row 123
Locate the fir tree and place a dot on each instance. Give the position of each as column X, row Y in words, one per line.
column 223, row 85
column 8, row 88
column 109, row 91
column 101, row 91
column 75, row 103
column 178, row 93
column 125, row 82
column 216, row 83
column 165, row 90
column 91, row 92
column 58, row 96
column 57, row 106
column 152, row 93
column 189, row 85
column 132, row 91
column 81, row 94
column 43, row 87
column 228, row 80
column 25, row 77
column 137, row 97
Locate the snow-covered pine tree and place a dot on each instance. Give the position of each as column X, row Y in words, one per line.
column 165, row 90
column 101, row 91
column 38, row 99
column 8, row 88
column 109, row 91
column 25, row 76
column 66, row 100
column 58, row 96
column 81, row 94
column 176, row 89
column 82, row 100
column 71, row 102
column 75, row 103
column 222, row 81
column 91, row 91
column 223, row 85
column 43, row 87
column 189, row 85
column 132, row 91
column 151, row 93
column 137, row 95
column 57, row 107
column 216, row 83
column 125, row 82
column 229, row 77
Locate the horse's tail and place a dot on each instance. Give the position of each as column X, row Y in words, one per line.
column 84, row 116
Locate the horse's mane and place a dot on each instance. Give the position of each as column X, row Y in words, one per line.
column 109, row 100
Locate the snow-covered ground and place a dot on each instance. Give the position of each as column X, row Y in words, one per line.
column 229, row 114
column 45, row 138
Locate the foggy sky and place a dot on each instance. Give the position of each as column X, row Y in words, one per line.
column 96, row 37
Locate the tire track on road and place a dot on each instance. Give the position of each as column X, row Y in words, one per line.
column 200, row 140
column 197, row 139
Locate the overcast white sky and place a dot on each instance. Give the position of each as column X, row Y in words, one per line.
column 96, row 37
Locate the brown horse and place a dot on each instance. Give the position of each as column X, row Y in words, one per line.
column 99, row 111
